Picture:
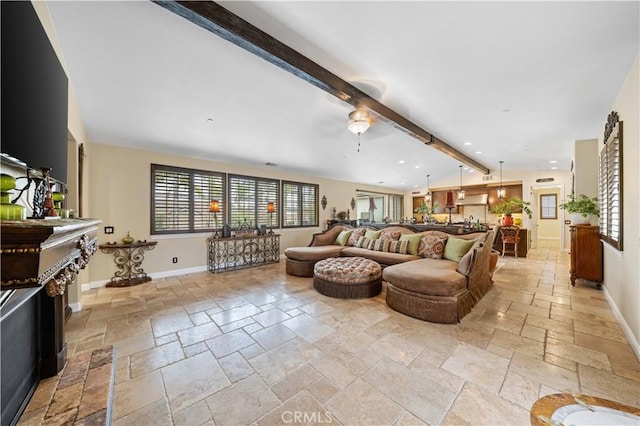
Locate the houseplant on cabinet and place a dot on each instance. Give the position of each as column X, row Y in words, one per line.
column 507, row 207
column 581, row 208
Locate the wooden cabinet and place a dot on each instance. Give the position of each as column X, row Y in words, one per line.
column 511, row 191
column 586, row 254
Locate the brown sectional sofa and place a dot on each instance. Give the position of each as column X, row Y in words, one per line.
column 436, row 290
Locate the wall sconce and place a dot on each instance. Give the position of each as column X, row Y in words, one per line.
column 271, row 208
column 461, row 191
column 214, row 207
column 323, row 202
column 353, row 203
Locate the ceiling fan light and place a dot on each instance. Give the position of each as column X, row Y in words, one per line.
column 358, row 122
column 358, row 127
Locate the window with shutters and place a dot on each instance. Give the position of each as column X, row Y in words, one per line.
column 249, row 198
column 180, row 199
column 300, row 204
column 610, row 183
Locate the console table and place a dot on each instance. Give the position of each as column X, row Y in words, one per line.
column 128, row 258
column 226, row 254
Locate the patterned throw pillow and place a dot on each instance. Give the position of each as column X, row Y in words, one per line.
column 355, row 236
column 390, row 246
column 389, row 235
column 432, row 246
column 366, row 243
column 399, row 247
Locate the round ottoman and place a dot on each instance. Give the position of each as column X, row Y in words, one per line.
column 347, row 277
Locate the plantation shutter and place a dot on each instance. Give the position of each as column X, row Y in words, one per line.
column 300, row 204
column 180, row 199
column 611, row 185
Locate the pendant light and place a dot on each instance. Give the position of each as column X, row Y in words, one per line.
column 427, row 196
column 461, row 191
column 501, row 191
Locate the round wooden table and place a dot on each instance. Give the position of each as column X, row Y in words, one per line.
column 564, row 408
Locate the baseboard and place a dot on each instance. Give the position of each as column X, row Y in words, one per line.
column 184, row 271
column 76, row 307
column 94, row 284
column 625, row 327
column 155, row 275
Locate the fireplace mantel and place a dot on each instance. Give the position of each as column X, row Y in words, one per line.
column 39, row 259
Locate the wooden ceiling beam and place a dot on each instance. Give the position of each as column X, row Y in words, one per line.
column 220, row 21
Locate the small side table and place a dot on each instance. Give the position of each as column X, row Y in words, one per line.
column 128, row 259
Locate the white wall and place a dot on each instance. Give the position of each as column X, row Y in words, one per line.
column 621, row 271
column 586, row 156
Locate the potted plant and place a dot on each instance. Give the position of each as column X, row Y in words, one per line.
column 423, row 209
column 507, row 207
column 581, row 208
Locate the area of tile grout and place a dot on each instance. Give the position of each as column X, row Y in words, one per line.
column 258, row 346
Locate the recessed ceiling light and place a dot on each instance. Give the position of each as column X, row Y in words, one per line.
column 553, row 161
column 465, row 168
column 478, row 152
column 415, row 186
column 401, row 183
column 381, row 182
column 417, row 167
column 471, row 170
column 270, row 164
column 467, row 143
column 554, row 168
column 210, row 120
column 506, row 110
column 401, row 162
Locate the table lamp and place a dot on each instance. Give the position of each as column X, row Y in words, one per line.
column 214, row 207
column 450, row 204
column 271, row 208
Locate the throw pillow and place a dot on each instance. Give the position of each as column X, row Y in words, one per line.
column 364, row 242
column 464, row 266
column 413, row 240
column 380, row 245
column 355, row 235
column 432, row 246
column 343, row 237
column 456, row 248
column 390, row 235
column 397, row 247
column 373, row 235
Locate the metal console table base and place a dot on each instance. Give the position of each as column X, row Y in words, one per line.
column 228, row 254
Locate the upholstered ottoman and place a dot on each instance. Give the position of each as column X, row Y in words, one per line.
column 347, row 277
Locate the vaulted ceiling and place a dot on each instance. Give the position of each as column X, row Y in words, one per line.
column 512, row 81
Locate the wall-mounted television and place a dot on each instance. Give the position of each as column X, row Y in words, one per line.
column 34, row 92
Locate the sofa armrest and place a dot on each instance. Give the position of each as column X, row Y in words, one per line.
column 479, row 277
column 327, row 237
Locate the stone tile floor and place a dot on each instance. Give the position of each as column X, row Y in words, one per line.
column 259, row 346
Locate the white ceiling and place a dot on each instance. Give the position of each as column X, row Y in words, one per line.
column 520, row 81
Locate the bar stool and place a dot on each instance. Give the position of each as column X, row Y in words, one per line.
column 510, row 235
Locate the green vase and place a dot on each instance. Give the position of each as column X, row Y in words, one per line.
column 12, row 212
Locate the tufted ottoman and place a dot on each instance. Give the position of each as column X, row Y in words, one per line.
column 347, row 277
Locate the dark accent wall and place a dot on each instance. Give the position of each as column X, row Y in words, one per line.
column 34, row 92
